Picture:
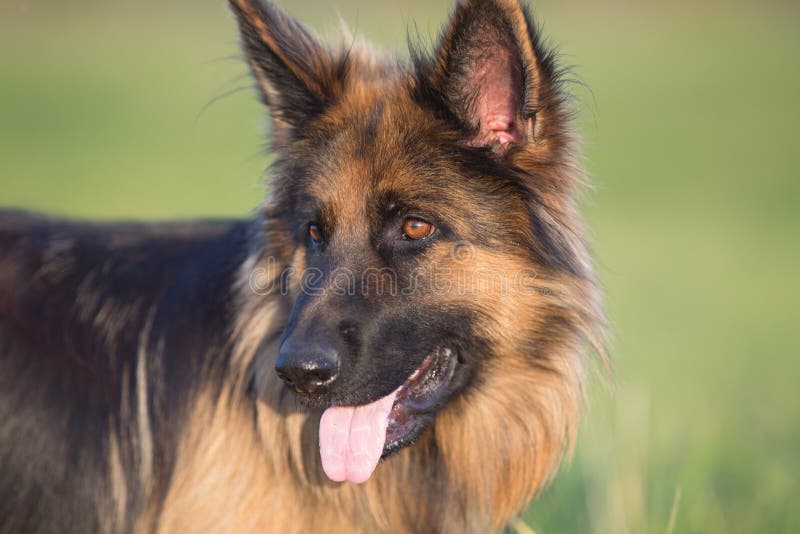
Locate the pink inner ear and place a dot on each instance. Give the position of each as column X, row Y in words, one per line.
column 497, row 85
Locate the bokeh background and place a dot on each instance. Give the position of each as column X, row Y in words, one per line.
column 689, row 111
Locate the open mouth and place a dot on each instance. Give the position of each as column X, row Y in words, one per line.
column 353, row 439
column 418, row 395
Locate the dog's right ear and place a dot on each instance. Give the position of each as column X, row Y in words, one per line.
column 297, row 75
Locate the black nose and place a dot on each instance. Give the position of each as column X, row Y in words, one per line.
column 308, row 368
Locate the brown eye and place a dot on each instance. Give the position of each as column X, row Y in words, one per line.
column 315, row 233
column 416, row 229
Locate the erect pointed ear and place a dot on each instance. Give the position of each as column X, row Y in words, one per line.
column 486, row 70
column 298, row 76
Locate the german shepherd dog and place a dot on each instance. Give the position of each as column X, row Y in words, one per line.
column 397, row 341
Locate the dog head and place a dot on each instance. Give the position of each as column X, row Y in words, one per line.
column 425, row 211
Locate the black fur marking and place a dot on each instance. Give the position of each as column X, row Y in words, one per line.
column 74, row 300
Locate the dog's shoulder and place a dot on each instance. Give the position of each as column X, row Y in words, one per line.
column 55, row 269
column 78, row 302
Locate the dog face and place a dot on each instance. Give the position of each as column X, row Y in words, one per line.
column 418, row 206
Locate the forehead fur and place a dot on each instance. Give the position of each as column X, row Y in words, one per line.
column 380, row 141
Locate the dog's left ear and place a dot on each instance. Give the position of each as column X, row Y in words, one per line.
column 487, row 71
column 297, row 75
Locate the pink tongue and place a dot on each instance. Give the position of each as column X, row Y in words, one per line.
column 351, row 439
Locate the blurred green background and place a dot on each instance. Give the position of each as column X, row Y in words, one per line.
column 689, row 111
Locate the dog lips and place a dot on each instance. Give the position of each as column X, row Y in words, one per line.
column 351, row 439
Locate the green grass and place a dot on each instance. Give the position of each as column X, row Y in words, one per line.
column 690, row 134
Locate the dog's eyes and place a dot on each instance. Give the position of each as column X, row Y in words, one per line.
column 315, row 233
column 416, row 229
